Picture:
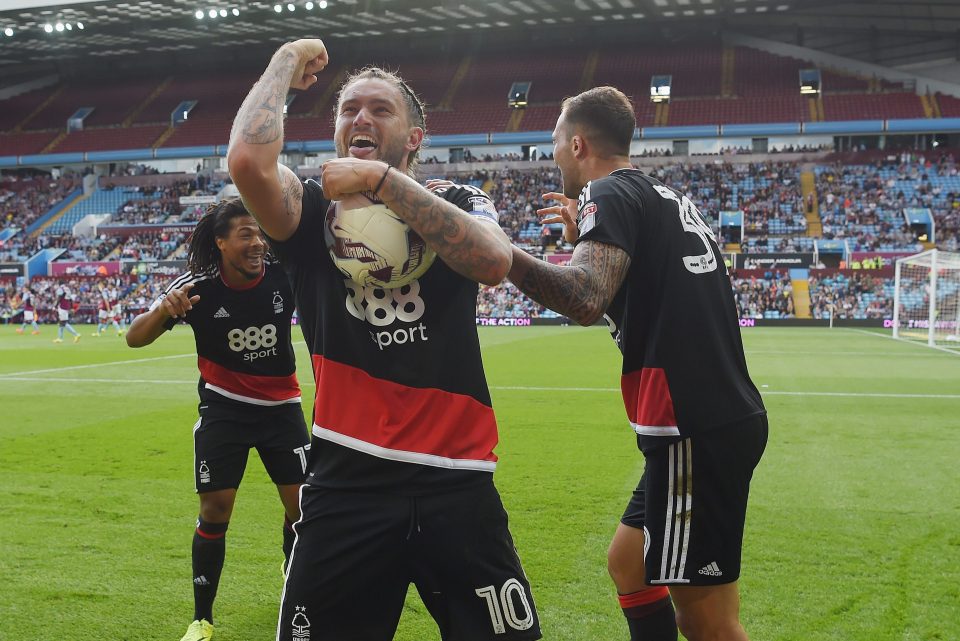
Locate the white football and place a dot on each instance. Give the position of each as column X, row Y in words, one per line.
column 372, row 246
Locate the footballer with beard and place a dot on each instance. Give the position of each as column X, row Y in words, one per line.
column 238, row 302
column 400, row 486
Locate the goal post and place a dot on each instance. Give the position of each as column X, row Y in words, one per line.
column 926, row 298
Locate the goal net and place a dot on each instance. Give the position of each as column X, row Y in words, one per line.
column 926, row 300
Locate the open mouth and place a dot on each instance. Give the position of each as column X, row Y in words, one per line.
column 362, row 145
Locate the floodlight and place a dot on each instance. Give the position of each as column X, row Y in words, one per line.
column 223, row 13
column 322, row 4
column 8, row 32
column 69, row 26
column 59, row 26
column 212, row 13
column 308, row 6
column 291, row 6
column 236, row 11
column 199, row 14
column 48, row 28
column 277, row 8
column 80, row 26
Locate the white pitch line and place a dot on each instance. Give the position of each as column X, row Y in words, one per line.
column 905, row 341
column 821, row 353
column 108, row 364
column 505, row 388
column 39, row 379
column 762, row 392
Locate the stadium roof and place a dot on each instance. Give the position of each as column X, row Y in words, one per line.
column 886, row 32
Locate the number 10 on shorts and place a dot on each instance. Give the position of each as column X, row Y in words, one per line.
column 503, row 610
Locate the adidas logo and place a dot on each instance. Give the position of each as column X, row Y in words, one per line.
column 222, row 313
column 201, row 580
column 711, row 570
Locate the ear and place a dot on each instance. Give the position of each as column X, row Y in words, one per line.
column 414, row 139
column 578, row 144
column 220, row 242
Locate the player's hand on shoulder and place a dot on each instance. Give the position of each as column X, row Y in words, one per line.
column 312, row 58
column 178, row 302
column 565, row 212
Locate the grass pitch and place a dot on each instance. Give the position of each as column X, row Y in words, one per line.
column 853, row 531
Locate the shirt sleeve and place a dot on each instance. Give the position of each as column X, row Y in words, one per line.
column 308, row 239
column 472, row 200
column 606, row 215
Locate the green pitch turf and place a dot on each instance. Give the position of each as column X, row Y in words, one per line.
column 853, row 532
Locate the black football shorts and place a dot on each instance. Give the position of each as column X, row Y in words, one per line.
column 224, row 434
column 691, row 504
column 356, row 554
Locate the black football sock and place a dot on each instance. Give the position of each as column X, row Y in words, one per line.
column 650, row 615
column 209, row 548
column 288, row 537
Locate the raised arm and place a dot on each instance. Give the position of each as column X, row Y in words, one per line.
column 477, row 249
column 270, row 191
column 582, row 290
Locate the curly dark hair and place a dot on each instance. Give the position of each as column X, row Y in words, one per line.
column 204, row 255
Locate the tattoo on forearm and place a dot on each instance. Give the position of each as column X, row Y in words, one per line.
column 583, row 290
column 260, row 120
column 291, row 194
column 459, row 239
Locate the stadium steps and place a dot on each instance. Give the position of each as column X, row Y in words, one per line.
column 53, row 143
column 515, row 118
column 662, row 114
column 727, row 68
column 935, row 105
column 99, row 201
column 808, row 185
column 458, row 77
column 43, row 105
column 589, row 69
column 815, row 107
column 163, row 137
column 320, row 105
column 801, row 294
column 47, row 223
column 159, row 89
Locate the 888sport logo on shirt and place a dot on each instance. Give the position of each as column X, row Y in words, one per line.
column 382, row 308
column 257, row 342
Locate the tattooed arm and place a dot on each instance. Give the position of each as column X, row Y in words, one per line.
column 477, row 249
column 271, row 192
column 581, row 290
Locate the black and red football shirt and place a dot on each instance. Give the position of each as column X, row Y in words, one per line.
column 402, row 403
column 674, row 318
column 242, row 335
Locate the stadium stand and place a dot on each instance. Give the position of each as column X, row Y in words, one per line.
column 848, row 294
column 467, row 94
column 762, row 293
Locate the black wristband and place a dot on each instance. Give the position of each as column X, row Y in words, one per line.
column 382, row 179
